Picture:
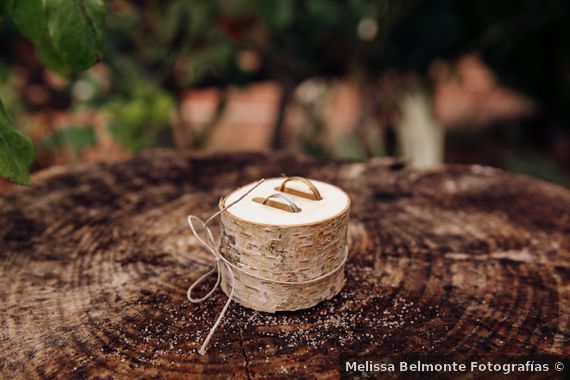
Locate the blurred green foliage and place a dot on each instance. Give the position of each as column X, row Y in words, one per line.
column 68, row 36
column 77, row 138
column 180, row 43
column 156, row 49
column 536, row 165
column 138, row 119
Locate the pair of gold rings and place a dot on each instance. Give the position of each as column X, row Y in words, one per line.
column 316, row 195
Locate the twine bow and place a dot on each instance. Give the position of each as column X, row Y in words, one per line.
column 210, row 245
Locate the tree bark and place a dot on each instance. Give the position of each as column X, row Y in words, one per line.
column 284, row 253
column 286, row 95
column 458, row 262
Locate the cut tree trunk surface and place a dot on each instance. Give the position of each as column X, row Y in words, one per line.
column 458, row 262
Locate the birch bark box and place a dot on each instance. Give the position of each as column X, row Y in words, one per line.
column 287, row 242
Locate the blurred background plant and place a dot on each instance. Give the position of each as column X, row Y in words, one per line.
column 440, row 81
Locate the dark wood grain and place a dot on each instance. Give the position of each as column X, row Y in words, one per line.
column 95, row 261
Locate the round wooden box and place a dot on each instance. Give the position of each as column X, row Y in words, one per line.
column 287, row 241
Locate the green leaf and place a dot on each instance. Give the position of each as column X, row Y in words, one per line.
column 76, row 28
column 46, row 54
column 29, row 17
column 68, row 34
column 6, row 7
column 16, row 151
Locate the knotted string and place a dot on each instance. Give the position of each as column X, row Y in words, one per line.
column 210, row 245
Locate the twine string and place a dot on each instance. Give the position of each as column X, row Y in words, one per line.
column 209, row 244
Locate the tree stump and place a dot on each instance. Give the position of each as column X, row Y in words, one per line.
column 456, row 262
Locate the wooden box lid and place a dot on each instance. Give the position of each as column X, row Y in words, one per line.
column 278, row 212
